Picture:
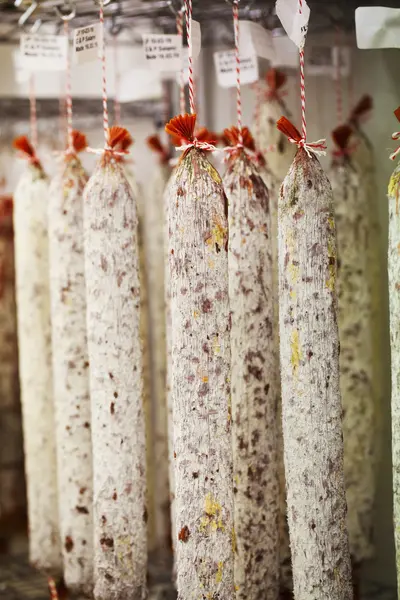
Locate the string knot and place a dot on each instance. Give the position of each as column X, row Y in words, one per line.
column 239, row 140
column 341, row 136
column 182, row 128
column 396, row 135
column 117, row 143
column 294, row 137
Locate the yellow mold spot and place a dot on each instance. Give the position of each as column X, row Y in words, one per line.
column 218, row 577
column 330, row 284
column 212, row 520
column 212, row 172
column 296, row 352
column 293, row 271
column 216, row 345
column 293, row 294
column 331, row 223
column 195, row 314
column 204, row 379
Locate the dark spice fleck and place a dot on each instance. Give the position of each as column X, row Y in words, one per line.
column 69, row 543
column 184, row 534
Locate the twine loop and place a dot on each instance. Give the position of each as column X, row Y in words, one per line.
column 318, row 147
column 395, row 136
column 195, row 143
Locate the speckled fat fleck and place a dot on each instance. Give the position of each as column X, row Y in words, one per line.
column 279, row 160
column 35, row 367
column 255, row 382
column 311, row 406
column 155, row 260
column 355, row 321
column 285, row 559
column 394, row 306
column 71, row 374
column 115, row 356
column 200, row 346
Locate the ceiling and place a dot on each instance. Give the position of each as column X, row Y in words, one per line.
column 131, row 16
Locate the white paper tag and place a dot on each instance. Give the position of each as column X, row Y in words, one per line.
column 163, row 52
column 294, row 22
column 225, row 66
column 41, row 52
column 254, row 39
column 196, row 38
column 286, row 54
column 377, row 27
column 87, row 43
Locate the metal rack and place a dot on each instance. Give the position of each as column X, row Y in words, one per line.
column 127, row 14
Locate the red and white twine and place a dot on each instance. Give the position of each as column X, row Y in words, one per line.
column 33, row 112
column 117, row 105
column 106, row 148
column 68, row 94
column 235, row 12
column 318, row 147
column 188, row 11
column 179, row 29
column 104, row 77
column 52, row 588
column 395, row 136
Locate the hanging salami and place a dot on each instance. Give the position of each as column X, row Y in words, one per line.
column 35, row 362
column 71, row 368
column 198, row 259
column 115, row 356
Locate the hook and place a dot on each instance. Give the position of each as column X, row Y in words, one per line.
column 27, row 14
column 66, row 16
column 176, row 11
column 115, row 28
column 103, row 2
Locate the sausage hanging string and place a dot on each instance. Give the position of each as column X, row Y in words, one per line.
column 189, row 10
column 68, row 95
column 33, row 112
column 396, row 136
column 179, row 29
column 338, row 79
column 284, row 125
column 108, row 145
column 235, row 12
column 117, row 104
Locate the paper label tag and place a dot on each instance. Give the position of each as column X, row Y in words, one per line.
column 377, row 27
column 323, row 60
column 294, row 23
column 286, row 54
column 163, row 52
column 254, row 39
column 225, row 66
column 87, row 43
column 196, row 39
column 41, row 52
